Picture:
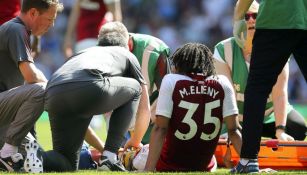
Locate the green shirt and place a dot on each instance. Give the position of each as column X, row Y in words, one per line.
column 239, row 73
column 282, row 14
column 147, row 49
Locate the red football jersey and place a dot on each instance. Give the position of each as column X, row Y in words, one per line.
column 195, row 123
column 91, row 14
column 9, row 9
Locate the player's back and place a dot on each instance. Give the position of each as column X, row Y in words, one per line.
column 195, row 123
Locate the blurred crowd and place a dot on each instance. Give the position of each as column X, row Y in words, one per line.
column 175, row 22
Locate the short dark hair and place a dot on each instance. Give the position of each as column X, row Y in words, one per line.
column 113, row 34
column 40, row 5
column 193, row 58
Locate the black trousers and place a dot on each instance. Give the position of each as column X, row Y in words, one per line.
column 271, row 50
column 71, row 107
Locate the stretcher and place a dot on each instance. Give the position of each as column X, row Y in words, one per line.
column 273, row 154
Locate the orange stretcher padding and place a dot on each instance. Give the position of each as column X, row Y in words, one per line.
column 273, row 154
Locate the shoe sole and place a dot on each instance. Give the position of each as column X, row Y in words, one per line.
column 103, row 167
column 32, row 163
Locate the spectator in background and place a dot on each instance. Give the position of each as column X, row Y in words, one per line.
column 276, row 38
column 233, row 62
column 172, row 27
column 189, row 117
column 85, row 19
column 21, row 83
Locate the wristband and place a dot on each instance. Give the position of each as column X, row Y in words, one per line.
column 282, row 127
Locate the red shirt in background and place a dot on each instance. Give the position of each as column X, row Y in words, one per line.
column 91, row 14
column 9, row 9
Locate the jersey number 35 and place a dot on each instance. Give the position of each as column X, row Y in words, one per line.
column 208, row 118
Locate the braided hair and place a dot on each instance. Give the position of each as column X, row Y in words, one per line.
column 193, row 58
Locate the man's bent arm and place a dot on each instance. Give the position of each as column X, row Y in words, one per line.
column 31, row 73
column 142, row 120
